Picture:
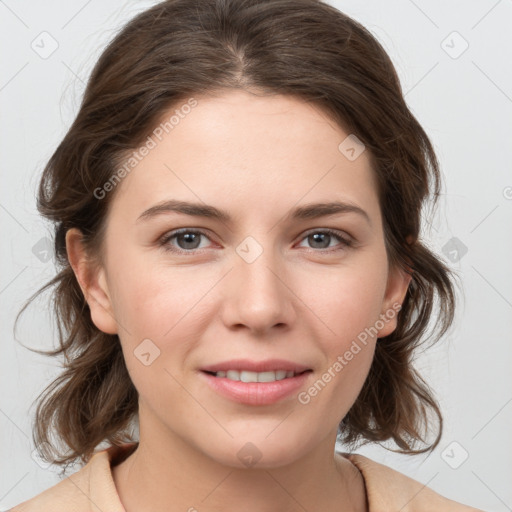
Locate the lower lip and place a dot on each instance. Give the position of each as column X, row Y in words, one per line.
column 256, row 393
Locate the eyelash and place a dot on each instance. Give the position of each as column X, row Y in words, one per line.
column 164, row 241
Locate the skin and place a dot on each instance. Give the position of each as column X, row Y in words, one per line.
column 257, row 157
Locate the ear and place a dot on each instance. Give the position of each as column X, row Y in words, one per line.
column 92, row 280
column 396, row 289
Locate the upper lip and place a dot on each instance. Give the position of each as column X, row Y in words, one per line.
column 256, row 366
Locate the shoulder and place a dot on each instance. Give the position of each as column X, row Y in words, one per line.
column 388, row 489
column 91, row 488
column 65, row 496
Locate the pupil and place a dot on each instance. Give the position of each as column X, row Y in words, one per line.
column 316, row 237
column 189, row 238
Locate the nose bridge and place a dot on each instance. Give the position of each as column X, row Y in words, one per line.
column 260, row 299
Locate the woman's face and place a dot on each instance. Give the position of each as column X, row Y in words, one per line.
column 263, row 283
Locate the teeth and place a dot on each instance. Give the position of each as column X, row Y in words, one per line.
column 246, row 376
column 267, row 377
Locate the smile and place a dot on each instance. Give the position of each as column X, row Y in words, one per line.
column 248, row 376
column 245, row 387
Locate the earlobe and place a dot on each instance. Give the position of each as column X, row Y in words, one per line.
column 396, row 290
column 92, row 280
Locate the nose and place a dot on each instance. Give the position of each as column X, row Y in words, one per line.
column 257, row 295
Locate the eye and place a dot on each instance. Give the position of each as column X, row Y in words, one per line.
column 188, row 240
column 320, row 239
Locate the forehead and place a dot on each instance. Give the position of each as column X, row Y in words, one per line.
column 245, row 152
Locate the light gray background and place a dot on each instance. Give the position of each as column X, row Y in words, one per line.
column 463, row 100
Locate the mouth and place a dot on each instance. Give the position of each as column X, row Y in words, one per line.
column 250, row 376
column 255, row 383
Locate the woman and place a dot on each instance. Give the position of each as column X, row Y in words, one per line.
column 237, row 213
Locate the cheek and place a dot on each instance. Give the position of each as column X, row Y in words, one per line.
column 349, row 305
column 159, row 329
column 167, row 306
column 349, row 300
column 348, row 347
column 150, row 300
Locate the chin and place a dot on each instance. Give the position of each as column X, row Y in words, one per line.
column 258, row 452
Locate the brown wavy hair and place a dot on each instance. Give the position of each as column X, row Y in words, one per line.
column 178, row 48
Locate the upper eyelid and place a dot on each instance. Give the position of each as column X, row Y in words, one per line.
column 339, row 232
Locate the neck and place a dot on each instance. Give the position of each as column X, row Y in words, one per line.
column 167, row 474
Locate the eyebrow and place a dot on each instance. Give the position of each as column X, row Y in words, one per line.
column 306, row 212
